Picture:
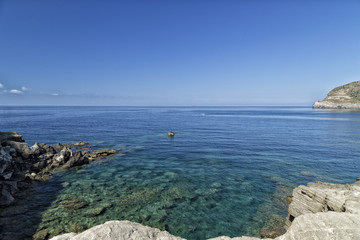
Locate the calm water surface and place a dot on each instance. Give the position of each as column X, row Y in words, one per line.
column 227, row 171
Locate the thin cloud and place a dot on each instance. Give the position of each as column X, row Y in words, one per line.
column 1, row 86
column 55, row 94
column 15, row 91
column 23, row 88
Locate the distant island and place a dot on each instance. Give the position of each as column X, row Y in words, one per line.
column 343, row 97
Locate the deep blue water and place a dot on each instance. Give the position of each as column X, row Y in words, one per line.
column 227, row 171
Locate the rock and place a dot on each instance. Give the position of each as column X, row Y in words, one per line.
column 97, row 154
column 79, row 144
column 324, row 225
column 77, row 228
column 77, row 159
column 37, row 150
column 343, row 97
column 171, row 134
column 237, row 238
column 10, row 136
column 323, row 197
column 94, row 212
column 75, row 204
column 58, row 147
column 65, row 236
column 63, row 156
column 21, row 148
column 48, row 148
column 120, row 230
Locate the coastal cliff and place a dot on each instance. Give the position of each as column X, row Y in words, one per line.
column 317, row 211
column 343, row 97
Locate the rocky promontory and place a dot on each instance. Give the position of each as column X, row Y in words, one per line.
column 317, row 211
column 343, row 97
column 21, row 164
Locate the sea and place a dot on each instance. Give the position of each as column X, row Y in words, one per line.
column 227, row 171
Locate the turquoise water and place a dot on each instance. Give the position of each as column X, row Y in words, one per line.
column 227, row 171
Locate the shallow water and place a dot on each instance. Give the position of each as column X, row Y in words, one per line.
column 227, row 171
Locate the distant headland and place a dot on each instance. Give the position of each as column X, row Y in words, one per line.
column 343, row 97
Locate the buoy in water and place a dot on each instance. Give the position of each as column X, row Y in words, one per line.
column 171, row 134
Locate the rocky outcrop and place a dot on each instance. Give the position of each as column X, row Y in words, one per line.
column 119, row 230
column 343, row 97
column 324, row 226
column 324, row 197
column 21, row 164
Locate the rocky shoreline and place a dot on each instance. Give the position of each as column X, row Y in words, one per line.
column 20, row 164
column 317, row 211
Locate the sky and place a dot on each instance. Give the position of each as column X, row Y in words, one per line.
column 178, row 52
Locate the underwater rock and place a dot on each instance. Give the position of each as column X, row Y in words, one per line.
column 42, row 235
column 74, row 204
column 94, row 212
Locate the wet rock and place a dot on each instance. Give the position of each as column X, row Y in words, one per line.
column 77, row 228
column 97, row 154
column 77, row 159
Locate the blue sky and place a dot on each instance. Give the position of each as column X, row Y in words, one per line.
column 225, row 52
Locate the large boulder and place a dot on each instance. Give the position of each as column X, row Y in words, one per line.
column 119, row 230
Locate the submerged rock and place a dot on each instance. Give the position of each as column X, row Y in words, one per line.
column 75, row 204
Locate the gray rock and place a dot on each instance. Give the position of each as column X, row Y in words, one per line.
column 324, row 226
column 21, row 148
column 119, row 230
column 48, row 148
column 77, row 159
column 10, row 136
column 37, row 150
column 238, row 238
column 324, row 197
column 63, row 156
